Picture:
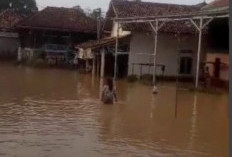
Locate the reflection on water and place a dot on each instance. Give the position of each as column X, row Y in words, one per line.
column 58, row 113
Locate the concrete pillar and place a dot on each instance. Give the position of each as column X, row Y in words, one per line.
column 19, row 57
column 94, row 66
column 102, row 63
column 98, row 64
column 199, row 53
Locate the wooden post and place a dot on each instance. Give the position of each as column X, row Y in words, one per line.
column 94, row 66
column 199, row 53
column 98, row 64
column 102, row 63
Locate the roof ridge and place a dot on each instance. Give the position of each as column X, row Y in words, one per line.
column 30, row 17
column 159, row 3
column 66, row 8
column 59, row 18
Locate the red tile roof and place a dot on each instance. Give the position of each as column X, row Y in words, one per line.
column 124, row 9
column 63, row 19
column 9, row 18
column 217, row 4
column 142, row 9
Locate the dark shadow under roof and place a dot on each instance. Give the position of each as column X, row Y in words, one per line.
column 102, row 42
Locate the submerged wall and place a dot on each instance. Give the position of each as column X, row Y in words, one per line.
column 167, row 52
column 9, row 43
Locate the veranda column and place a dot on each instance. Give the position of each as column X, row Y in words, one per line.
column 155, row 51
column 199, row 53
column 102, row 63
column 116, row 51
column 94, row 65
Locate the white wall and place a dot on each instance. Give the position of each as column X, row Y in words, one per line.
column 121, row 32
column 166, row 53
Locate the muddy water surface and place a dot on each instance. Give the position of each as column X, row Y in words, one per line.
column 57, row 113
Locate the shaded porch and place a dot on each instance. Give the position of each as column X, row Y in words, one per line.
column 103, row 56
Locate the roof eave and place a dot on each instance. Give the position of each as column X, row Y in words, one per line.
column 55, row 29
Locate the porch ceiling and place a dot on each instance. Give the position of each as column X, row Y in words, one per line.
column 95, row 44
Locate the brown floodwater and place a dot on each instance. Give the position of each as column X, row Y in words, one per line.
column 57, row 113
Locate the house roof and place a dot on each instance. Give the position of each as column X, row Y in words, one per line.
column 125, row 9
column 217, row 5
column 9, row 18
column 102, row 42
column 62, row 19
column 141, row 9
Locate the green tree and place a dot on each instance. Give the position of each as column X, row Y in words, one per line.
column 24, row 6
column 96, row 13
column 79, row 8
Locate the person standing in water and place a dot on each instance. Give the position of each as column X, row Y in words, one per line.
column 108, row 95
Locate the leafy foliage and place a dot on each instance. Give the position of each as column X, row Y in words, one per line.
column 23, row 6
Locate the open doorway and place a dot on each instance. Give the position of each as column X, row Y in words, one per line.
column 186, row 63
column 122, row 66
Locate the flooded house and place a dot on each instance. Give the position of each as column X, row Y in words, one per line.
column 217, row 57
column 9, row 39
column 138, row 57
column 179, row 46
column 176, row 40
column 51, row 34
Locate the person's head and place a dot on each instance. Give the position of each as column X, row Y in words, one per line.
column 109, row 82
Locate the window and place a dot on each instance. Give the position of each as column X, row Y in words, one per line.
column 186, row 65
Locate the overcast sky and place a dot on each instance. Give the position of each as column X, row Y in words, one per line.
column 92, row 4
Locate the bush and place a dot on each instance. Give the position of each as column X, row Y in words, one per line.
column 132, row 78
column 206, row 90
column 147, row 79
column 39, row 63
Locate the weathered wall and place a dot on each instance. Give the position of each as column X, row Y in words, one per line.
column 8, row 45
column 167, row 53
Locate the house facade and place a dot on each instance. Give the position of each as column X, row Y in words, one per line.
column 52, row 33
column 180, row 48
column 177, row 57
column 9, row 38
column 177, row 42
